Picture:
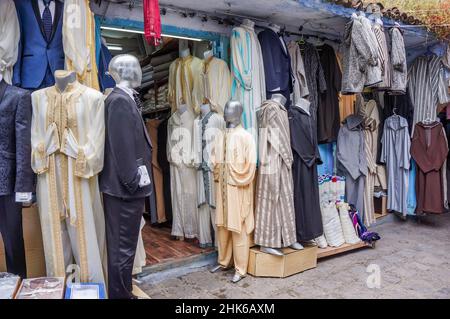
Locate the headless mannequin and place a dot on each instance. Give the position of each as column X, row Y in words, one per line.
column 63, row 79
column 232, row 115
column 279, row 98
column 208, row 55
column 205, row 109
column 185, row 53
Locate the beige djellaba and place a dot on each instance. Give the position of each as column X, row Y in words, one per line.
column 68, row 133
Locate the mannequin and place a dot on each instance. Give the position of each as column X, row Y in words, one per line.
column 67, row 143
column 17, row 176
column 185, row 53
column 271, row 239
column 205, row 109
column 125, row 180
column 208, row 54
column 234, row 158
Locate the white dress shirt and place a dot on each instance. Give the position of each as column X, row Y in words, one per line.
column 51, row 7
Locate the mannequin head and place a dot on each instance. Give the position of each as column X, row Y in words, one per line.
column 126, row 70
column 63, row 78
column 233, row 113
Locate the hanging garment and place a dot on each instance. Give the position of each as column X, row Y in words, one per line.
column 352, row 160
column 152, row 128
column 140, row 259
column 9, row 39
column 395, row 154
column 15, row 171
column 346, row 102
column 376, row 175
column 383, row 55
column 427, row 87
column 277, row 64
column 163, row 162
column 105, row 80
column 429, row 148
column 315, row 78
column 67, row 140
column 300, row 84
column 183, row 74
column 398, row 62
column 275, row 214
column 328, row 120
column 152, row 22
column 247, row 70
column 234, row 160
column 373, row 71
column 39, row 57
column 402, row 105
column 308, row 217
column 183, row 175
column 359, row 56
column 79, row 41
column 206, row 128
column 215, row 83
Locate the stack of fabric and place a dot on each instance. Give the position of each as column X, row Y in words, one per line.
column 156, row 100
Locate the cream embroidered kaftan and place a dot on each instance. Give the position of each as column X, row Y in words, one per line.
column 247, row 69
column 183, row 175
column 215, row 83
column 9, row 39
column 67, row 138
column 79, row 41
column 184, row 73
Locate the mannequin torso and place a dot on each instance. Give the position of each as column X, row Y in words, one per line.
column 63, row 79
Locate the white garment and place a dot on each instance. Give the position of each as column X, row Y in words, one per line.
column 183, row 175
column 140, row 259
column 9, row 39
column 247, row 70
column 51, row 6
column 68, row 156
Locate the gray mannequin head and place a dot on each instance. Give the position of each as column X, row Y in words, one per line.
column 233, row 113
column 126, row 70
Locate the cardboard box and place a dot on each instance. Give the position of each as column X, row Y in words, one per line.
column 34, row 247
column 293, row 262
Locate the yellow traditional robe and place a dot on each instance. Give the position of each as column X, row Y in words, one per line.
column 79, row 41
column 67, row 137
column 184, row 73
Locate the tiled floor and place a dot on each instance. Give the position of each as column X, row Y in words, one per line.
column 160, row 247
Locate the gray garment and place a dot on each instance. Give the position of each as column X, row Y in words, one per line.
column 360, row 58
column 395, row 154
column 352, row 159
column 373, row 71
column 16, row 174
column 398, row 62
column 383, row 55
column 275, row 215
column 427, row 87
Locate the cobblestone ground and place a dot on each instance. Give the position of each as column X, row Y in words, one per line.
column 413, row 258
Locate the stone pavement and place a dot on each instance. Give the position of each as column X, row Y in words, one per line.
column 413, row 259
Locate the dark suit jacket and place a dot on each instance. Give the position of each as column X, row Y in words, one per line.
column 35, row 53
column 277, row 63
column 127, row 146
column 16, row 174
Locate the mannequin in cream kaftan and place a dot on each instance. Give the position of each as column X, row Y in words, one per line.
column 79, row 41
column 9, row 39
column 206, row 128
column 184, row 73
column 67, row 138
column 234, row 159
column 183, row 175
column 248, row 79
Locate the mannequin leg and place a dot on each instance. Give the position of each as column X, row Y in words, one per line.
column 12, row 234
column 122, row 232
column 241, row 251
column 225, row 247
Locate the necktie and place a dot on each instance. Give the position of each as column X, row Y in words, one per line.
column 47, row 20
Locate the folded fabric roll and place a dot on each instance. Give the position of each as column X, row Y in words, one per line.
column 168, row 57
column 162, row 67
column 348, row 230
column 332, row 228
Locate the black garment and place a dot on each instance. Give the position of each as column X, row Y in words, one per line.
column 123, row 220
column 402, row 105
column 16, row 174
column 165, row 167
column 314, row 77
column 304, row 170
column 328, row 118
column 12, row 234
column 277, row 65
column 127, row 146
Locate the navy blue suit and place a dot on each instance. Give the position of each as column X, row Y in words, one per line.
column 38, row 59
column 277, row 65
column 16, row 174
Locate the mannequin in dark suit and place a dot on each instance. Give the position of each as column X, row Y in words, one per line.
column 127, row 147
column 15, row 171
column 41, row 50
